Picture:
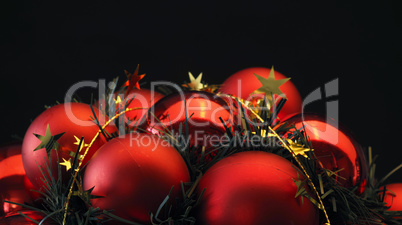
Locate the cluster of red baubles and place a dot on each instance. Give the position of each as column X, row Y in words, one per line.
column 136, row 171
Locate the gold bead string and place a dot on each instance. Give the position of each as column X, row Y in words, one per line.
column 321, row 204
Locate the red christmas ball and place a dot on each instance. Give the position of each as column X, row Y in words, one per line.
column 242, row 83
column 204, row 113
column 17, row 219
column 393, row 196
column 335, row 149
column 72, row 119
column 135, row 173
column 12, row 175
column 253, row 188
column 136, row 98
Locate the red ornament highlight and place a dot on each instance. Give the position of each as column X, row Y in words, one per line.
column 135, row 173
column 69, row 122
column 253, row 188
column 243, row 83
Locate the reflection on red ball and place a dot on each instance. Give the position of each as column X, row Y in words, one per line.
column 204, row 111
column 242, row 83
column 393, row 196
column 135, row 173
column 72, row 118
column 253, row 188
column 335, row 149
column 12, row 175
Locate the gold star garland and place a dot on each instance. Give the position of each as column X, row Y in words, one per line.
column 298, row 148
column 294, row 149
column 66, row 163
column 321, row 204
column 71, row 192
column 269, row 85
column 77, row 142
column 117, row 100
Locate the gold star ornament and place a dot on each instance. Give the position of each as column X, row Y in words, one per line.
column 264, row 133
column 48, row 141
column 66, row 163
column 195, row 83
column 270, row 84
column 77, row 142
column 298, row 148
column 117, row 100
column 83, row 145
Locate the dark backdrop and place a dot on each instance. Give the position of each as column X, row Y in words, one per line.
column 47, row 47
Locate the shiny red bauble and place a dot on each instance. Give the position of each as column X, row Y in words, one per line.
column 253, row 188
column 135, row 173
column 207, row 116
column 393, row 196
column 72, row 118
column 242, row 83
column 12, row 175
column 335, row 149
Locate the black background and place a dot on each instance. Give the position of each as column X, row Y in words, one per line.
column 47, row 47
